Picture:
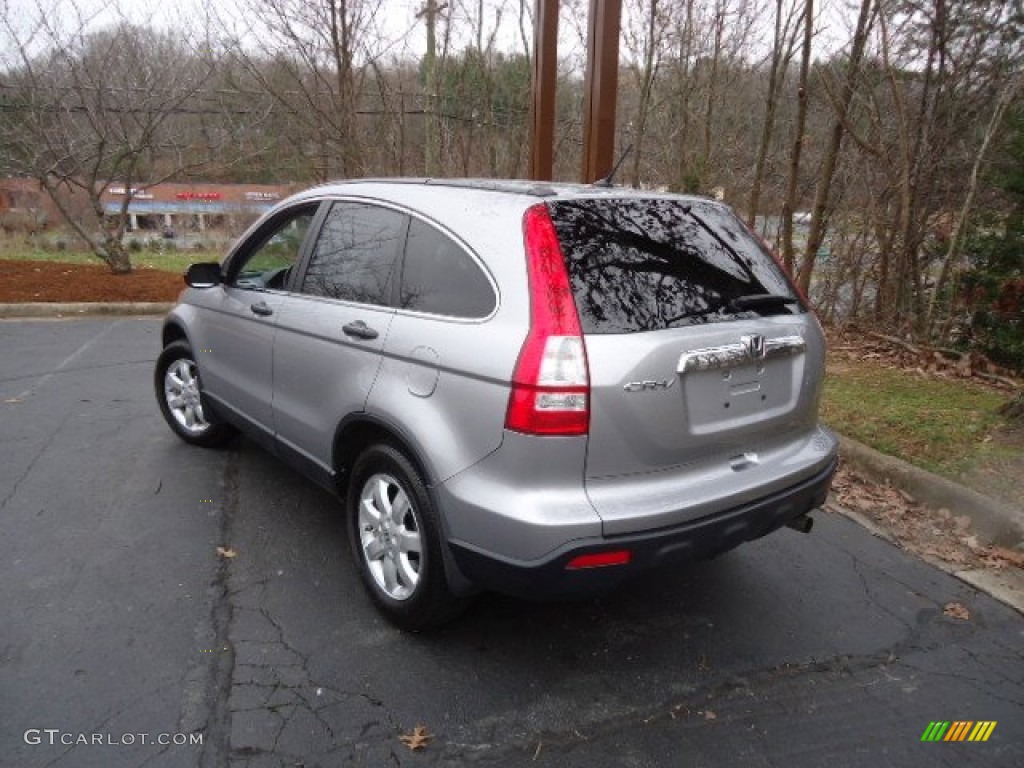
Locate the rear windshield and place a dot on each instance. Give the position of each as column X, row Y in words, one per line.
column 645, row 265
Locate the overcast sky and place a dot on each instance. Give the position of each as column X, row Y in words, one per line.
column 397, row 21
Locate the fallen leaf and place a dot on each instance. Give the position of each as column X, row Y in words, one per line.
column 226, row 552
column 1001, row 557
column 957, row 611
column 962, row 522
column 418, row 739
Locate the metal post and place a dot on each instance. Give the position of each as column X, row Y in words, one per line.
column 545, row 70
column 600, row 88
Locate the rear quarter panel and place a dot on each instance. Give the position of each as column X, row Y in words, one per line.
column 445, row 380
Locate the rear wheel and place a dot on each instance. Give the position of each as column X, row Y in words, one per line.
column 179, row 393
column 396, row 541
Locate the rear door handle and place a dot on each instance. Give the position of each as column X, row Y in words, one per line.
column 359, row 330
column 261, row 308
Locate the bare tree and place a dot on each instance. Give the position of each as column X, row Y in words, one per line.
column 89, row 107
column 1006, row 96
column 786, row 27
column 645, row 39
column 313, row 59
column 841, row 103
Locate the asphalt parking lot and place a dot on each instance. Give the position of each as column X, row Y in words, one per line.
column 121, row 620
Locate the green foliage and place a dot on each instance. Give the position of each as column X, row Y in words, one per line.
column 994, row 285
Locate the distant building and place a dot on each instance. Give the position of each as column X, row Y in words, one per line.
column 168, row 206
column 198, row 206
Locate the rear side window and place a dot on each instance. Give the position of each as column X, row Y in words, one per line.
column 355, row 254
column 645, row 265
column 439, row 277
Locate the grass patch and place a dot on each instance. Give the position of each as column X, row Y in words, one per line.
column 938, row 424
column 168, row 261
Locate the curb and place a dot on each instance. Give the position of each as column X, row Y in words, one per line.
column 994, row 521
column 84, row 309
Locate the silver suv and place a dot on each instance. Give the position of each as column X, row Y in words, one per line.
column 529, row 388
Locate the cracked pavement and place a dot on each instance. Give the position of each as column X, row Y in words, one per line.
column 120, row 618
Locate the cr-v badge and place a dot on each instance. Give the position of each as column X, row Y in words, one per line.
column 642, row 386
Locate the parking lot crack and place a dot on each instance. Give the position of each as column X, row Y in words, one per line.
column 217, row 743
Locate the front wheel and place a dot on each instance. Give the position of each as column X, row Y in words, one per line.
column 179, row 393
column 396, row 541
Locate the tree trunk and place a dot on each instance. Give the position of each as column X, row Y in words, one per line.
column 709, row 111
column 788, row 208
column 684, row 175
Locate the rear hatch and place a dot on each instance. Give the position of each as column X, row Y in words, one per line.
column 705, row 364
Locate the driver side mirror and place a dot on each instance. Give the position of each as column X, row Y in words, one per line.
column 203, row 275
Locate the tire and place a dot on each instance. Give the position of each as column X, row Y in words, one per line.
column 179, row 393
column 396, row 540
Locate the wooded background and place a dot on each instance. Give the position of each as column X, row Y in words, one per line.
column 878, row 145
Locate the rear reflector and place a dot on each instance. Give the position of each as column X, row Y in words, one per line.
column 600, row 560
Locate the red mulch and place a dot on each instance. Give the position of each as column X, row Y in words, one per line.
column 30, row 281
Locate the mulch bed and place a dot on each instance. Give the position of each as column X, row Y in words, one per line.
column 31, row 281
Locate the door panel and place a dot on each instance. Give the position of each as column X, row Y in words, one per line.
column 330, row 334
column 236, row 355
column 236, row 346
column 321, row 373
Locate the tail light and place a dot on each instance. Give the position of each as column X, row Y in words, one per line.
column 551, row 384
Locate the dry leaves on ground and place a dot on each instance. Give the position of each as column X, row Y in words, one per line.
column 228, row 553
column 957, row 611
column 927, row 532
column 417, row 739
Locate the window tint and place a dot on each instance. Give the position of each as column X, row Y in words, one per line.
column 273, row 252
column 441, row 278
column 355, row 253
column 642, row 265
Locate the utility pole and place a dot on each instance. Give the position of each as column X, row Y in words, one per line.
column 600, row 88
column 433, row 150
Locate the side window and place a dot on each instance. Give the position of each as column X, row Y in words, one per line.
column 441, row 278
column 270, row 256
column 355, row 254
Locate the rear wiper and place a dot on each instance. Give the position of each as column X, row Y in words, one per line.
column 740, row 304
column 761, row 301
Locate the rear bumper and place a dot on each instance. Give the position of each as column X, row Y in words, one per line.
column 695, row 540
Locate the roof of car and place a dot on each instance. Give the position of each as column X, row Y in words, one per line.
column 542, row 189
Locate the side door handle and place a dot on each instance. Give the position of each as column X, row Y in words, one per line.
column 359, row 330
column 261, row 308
